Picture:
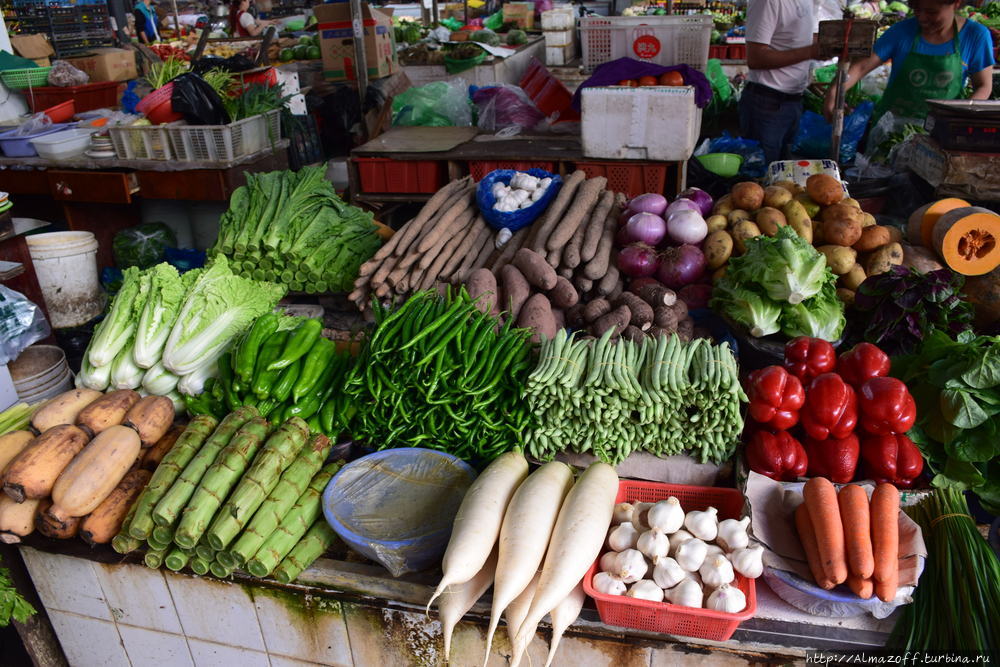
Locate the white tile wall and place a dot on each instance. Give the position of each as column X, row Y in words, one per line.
column 66, row 583
column 88, row 642
column 313, row 631
column 138, row 596
column 282, row 661
column 207, row 654
column 149, row 648
column 215, row 611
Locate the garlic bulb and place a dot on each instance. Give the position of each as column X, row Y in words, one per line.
column 714, row 550
column 646, row 590
column 728, row 599
column 653, row 544
column 630, row 566
column 716, row 571
column 749, row 562
column 733, row 534
column 691, row 554
column 666, row 516
column 679, row 538
column 703, row 525
column 607, row 562
column 609, row 584
column 639, row 516
column 623, row 536
column 686, row 594
column 667, row 573
column 623, row 514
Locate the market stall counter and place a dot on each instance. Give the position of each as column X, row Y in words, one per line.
column 498, row 70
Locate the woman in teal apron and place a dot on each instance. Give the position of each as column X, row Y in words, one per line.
column 145, row 22
column 931, row 55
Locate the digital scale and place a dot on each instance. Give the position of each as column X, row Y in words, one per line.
column 965, row 125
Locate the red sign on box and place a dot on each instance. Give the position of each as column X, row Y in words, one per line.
column 646, row 46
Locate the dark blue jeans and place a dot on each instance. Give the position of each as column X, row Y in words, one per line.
column 770, row 120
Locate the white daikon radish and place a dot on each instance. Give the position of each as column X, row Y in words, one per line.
column 524, row 535
column 518, row 609
column 458, row 599
column 576, row 543
column 563, row 616
column 477, row 523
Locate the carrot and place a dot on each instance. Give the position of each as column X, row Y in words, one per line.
column 586, row 198
column 542, row 229
column 863, row 588
column 885, row 540
column 857, row 530
column 595, row 228
column 597, row 267
column 807, row 536
column 821, row 501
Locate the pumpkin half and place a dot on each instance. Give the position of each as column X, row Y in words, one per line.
column 983, row 292
column 920, row 229
column 968, row 240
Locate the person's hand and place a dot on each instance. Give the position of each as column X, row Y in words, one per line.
column 815, row 48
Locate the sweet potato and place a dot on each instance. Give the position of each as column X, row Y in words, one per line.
column 574, row 316
column 718, row 274
column 884, row 259
column 617, row 319
column 842, row 232
column 482, row 286
column 596, row 309
column 559, row 315
column 536, row 314
column 535, row 269
column 696, row 296
column 872, row 237
column 514, row 290
column 642, row 312
column 563, row 295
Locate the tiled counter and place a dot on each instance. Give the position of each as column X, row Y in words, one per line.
column 119, row 614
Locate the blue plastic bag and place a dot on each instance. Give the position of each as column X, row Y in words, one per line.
column 521, row 218
column 813, row 138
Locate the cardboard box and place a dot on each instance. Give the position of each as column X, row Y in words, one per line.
column 974, row 176
column 521, row 13
column 337, row 41
column 107, row 64
column 33, row 47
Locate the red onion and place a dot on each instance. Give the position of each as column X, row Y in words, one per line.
column 648, row 203
column 701, row 198
column 645, row 228
column 623, row 218
column 637, row 260
column 696, row 296
column 681, row 266
column 622, row 237
column 679, row 205
column 687, row 227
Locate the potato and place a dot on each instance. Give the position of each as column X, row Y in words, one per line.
column 842, row 232
column 839, row 259
column 716, row 222
column 872, row 238
column 723, row 205
column 718, row 247
column 845, row 295
column 851, row 201
column 799, row 220
column 718, row 274
column 769, row 219
column 853, row 278
column 738, row 215
column 811, row 207
column 884, row 259
column 748, row 196
column 895, row 234
column 824, row 189
column 791, row 186
column 741, row 232
column 817, row 231
column 867, row 220
column 776, row 197
column 840, row 212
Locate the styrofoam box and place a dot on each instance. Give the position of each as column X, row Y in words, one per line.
column 560, row 55
column 560, row 18
column 648, row 123
column 560, row 38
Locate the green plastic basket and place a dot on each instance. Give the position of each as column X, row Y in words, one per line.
column 19, row 79
column 456, row 65
column 726, row 165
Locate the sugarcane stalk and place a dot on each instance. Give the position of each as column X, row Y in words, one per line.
column 157, row 545
column 278, row 454
column 163, row 534
column 205, row 552
column 292, row 484
column 219, row 570
column 231, row 463
column 169, row 507
column 154, row 557
column 312, row 546
column 227, row 559
column 177, row 559
column 170, row 468
column 123, row 543
column 293, row 526
column 199, row 565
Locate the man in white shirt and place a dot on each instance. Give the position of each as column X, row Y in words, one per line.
column 781, row 41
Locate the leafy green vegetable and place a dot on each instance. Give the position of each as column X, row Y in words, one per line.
column 142, row 245
column 166, row 293
column 758, row 313
column 786, row 266
column 160, row 74
column 12, row 603
column 485, row 36
column 119, row 325
column 822, row 316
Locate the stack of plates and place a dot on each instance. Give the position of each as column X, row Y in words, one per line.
column 100, row 147
column 40, row 372
column 5, row 202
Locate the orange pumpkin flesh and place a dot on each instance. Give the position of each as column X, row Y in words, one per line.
column 968, row 240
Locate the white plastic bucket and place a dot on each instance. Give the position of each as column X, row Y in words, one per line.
column 66, row 266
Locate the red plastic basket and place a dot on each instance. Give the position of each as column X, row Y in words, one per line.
column 479, row 169
column 85, row 98
column 386, row 175
column 663, row 617
column 632, row 179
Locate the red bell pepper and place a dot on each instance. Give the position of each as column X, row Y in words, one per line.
column 861, row 363
column 886, row 406
column 776, row 397
column 831, row 409
column 806, row 357
column 833, row 458
column 891, row 458
column 776, row 455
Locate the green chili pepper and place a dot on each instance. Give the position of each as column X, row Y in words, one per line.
column 298, row 344
column 262, row 377
column 313, row 366
column 287, row 378
column 246, row 356
column 327, row 416
column 314, row 424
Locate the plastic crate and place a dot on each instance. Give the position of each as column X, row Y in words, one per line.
column 220, row 143
column 387, row 175
column 630, row 178
column 86, row 97
column 141, row 142
column 719, row 51
column 664, row 40
column 479, row 169
column 663, row 617
column 19, row 79
column 548, row 93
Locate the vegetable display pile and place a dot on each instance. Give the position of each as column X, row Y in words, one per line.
column 852, row 418
column 438, row 373
column 960, row 586
column 609, row 399
column 532, row 538
column 292, row 228
column 850, row 539
column 165, row 332
column 956, row 384
column 80, row 475
column 240, row 492
column 965, row 238
column 657, row 552
column 523, row 191
column 285, row 368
